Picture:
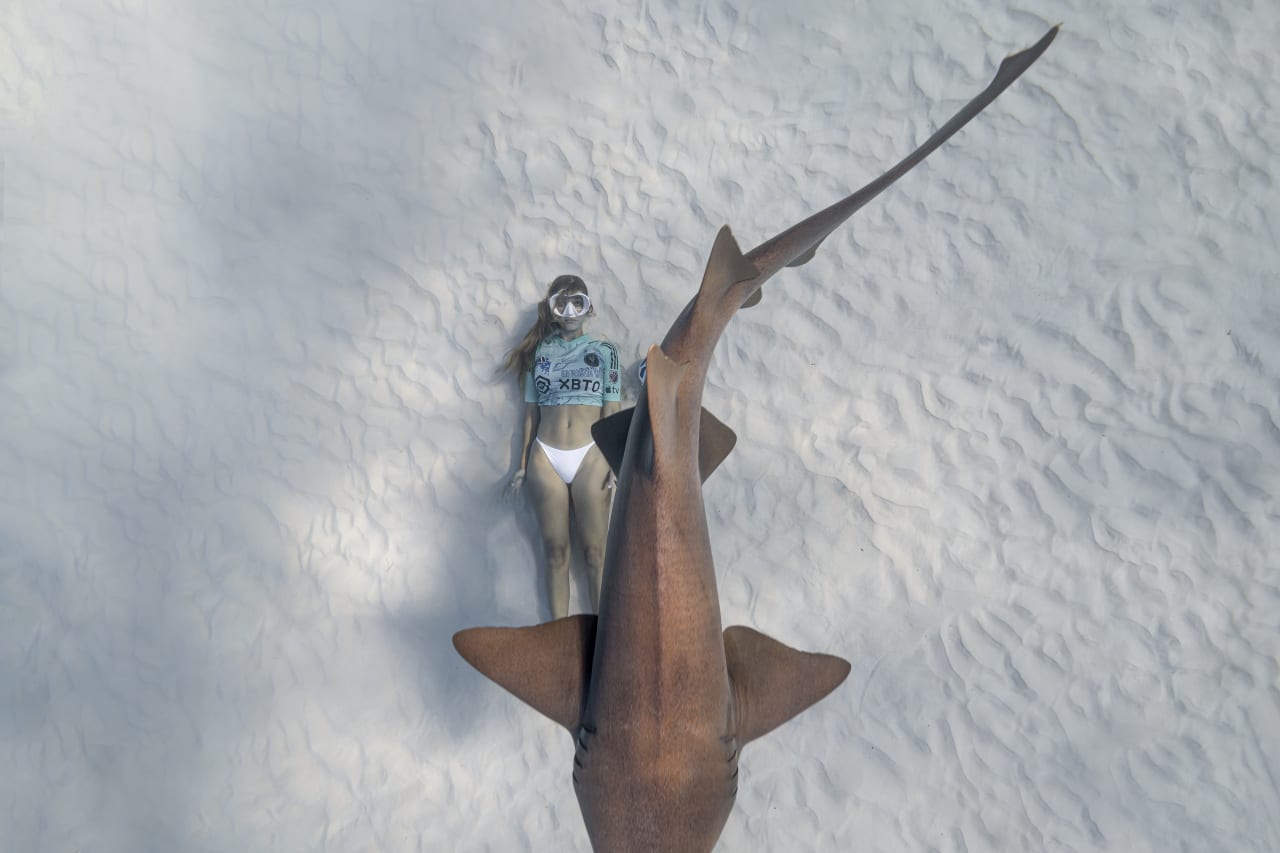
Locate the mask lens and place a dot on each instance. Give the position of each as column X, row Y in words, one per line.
column 569, row 305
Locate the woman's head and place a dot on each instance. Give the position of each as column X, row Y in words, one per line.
column 566, row 307
column 567, row 304
column 566, row 284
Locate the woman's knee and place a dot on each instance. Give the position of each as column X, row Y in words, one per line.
column 557, row 553
column 594, row 555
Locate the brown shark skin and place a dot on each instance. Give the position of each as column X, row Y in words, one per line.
column 658, row 730
column 665, row 710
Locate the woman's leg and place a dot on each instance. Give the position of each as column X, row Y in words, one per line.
column 550, row 499
column 591, row 502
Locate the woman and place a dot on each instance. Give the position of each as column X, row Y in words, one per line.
column 571, row 380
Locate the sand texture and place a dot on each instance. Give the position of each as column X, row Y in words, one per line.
column 1010, row 443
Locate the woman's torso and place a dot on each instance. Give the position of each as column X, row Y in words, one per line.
column 571, row 380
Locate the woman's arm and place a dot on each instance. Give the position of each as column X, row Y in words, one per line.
column 529, row 429
column 532, row 416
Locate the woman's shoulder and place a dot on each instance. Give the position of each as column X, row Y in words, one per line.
column 606, row 348
column 550, row 337
column 603, row 341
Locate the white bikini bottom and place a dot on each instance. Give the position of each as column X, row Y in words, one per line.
column 566, row 462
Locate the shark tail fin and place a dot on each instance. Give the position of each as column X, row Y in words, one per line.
column 726, row 267
column 773, row 682
column 546, row 666
column 714, row 442
column 802, row 259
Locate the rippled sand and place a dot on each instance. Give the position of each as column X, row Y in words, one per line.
column 1010, row 443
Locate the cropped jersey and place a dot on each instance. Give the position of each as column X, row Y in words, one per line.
column 580, row 372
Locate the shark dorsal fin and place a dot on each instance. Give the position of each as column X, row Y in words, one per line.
column 772, row 682
column 547, row 666
column 714, row 442
column 726, row 267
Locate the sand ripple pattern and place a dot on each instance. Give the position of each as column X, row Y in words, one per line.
column 1011, row 443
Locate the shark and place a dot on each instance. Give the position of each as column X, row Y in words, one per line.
column 659, row 700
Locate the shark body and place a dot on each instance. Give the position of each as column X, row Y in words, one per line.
column 659, row 700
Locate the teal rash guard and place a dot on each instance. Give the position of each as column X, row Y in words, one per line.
column 580, row 372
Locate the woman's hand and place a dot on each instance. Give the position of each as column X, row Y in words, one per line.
column 515, row 485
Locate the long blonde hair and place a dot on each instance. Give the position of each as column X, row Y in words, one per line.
column 521, row 356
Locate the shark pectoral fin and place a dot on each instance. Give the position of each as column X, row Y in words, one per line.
column 547, row 666
column 726, row 267
column 610, row 435
column 772, row 682
column 715, row 440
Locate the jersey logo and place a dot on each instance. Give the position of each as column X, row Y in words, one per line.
column 591, row 359
column 542, row 384
column 591, row 386
column 543, row 364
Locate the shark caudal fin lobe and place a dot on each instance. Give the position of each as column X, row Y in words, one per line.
column 773, row 682
column 546, row 666
column 714, row 442
column 1012, row 66
column 798, row 244
column 726, row 267
column 799, row 261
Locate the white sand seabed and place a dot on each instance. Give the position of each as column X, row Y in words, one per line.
column 1010, row 443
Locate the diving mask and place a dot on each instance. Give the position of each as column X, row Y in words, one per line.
column 570, row 306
